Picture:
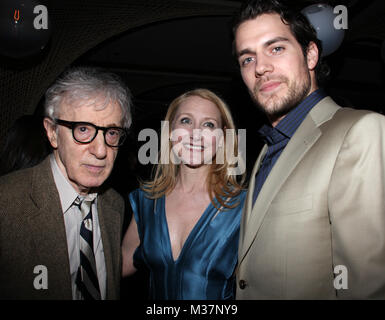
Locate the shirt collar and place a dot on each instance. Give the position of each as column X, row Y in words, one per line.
column 290, row 123
column 271, row 135
column 67, row 193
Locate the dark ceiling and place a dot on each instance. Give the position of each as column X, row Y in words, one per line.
column 161, row 60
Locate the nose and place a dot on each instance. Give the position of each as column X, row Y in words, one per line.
column 263, row 66
column 196, row 134
column 98, row 146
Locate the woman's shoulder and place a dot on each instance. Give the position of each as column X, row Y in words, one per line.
column 241, row 195
column 144, row 200
column 236, row 202
column 142, row 205
column 139, row 195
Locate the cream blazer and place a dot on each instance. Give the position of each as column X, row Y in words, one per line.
column 317, row 228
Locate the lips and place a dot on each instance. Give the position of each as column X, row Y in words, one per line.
column 193, row 147
column 94, row 168
column 269, row 86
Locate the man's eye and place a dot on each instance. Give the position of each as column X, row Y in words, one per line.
column 83, row 132
column 112, row 132
column 83, row 129
column 247, row 60
column 277, row 49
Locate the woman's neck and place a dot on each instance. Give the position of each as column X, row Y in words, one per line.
column 192, row 180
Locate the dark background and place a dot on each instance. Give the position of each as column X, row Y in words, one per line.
column 162, row 48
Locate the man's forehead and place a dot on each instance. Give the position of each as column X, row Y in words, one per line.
column 263, row 27
column 76, row 99
column 88, row 110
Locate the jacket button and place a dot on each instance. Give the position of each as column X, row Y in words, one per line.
column 242, row 284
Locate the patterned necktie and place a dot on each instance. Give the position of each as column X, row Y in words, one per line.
column 86, row 278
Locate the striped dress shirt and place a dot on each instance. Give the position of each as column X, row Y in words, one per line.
column 72, row 222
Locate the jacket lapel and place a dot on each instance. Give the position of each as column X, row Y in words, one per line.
column 47, row 225
column 304, row 138
column 110, row 229
column 249, row 197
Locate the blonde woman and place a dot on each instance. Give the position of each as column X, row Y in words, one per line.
column 186, row 220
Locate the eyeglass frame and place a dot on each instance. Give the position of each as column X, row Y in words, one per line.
column 71, row 125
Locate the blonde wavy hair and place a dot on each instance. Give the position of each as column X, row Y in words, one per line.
column 220, row 183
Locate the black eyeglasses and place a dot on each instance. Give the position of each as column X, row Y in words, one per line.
column 85, row 132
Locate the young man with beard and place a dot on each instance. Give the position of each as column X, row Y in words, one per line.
column 314, row 223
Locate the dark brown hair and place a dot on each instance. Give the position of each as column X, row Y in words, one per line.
column 299, row 25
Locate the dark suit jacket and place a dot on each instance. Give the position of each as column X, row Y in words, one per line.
column 32, row 233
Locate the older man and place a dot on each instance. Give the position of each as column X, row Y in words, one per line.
column 60, row 226
column 314, row 226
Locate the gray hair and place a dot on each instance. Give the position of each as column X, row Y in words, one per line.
column 81, row 85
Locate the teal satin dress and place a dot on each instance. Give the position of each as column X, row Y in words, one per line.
column 205, row 266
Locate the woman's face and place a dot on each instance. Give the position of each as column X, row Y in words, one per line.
column 196, row 131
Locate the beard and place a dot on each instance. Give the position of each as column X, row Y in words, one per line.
column 277, row 105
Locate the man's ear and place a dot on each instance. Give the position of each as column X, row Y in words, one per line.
column 50, row 129
column 312, row 55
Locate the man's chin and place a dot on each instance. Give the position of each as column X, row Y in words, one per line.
column 279, row 112
column 271, row 108
column 93, row 183
column 278, row 108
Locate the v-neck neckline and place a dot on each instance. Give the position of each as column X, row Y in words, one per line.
column 190, row 238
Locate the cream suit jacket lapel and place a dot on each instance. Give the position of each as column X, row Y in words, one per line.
column 249, row 197
column 305, row 136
